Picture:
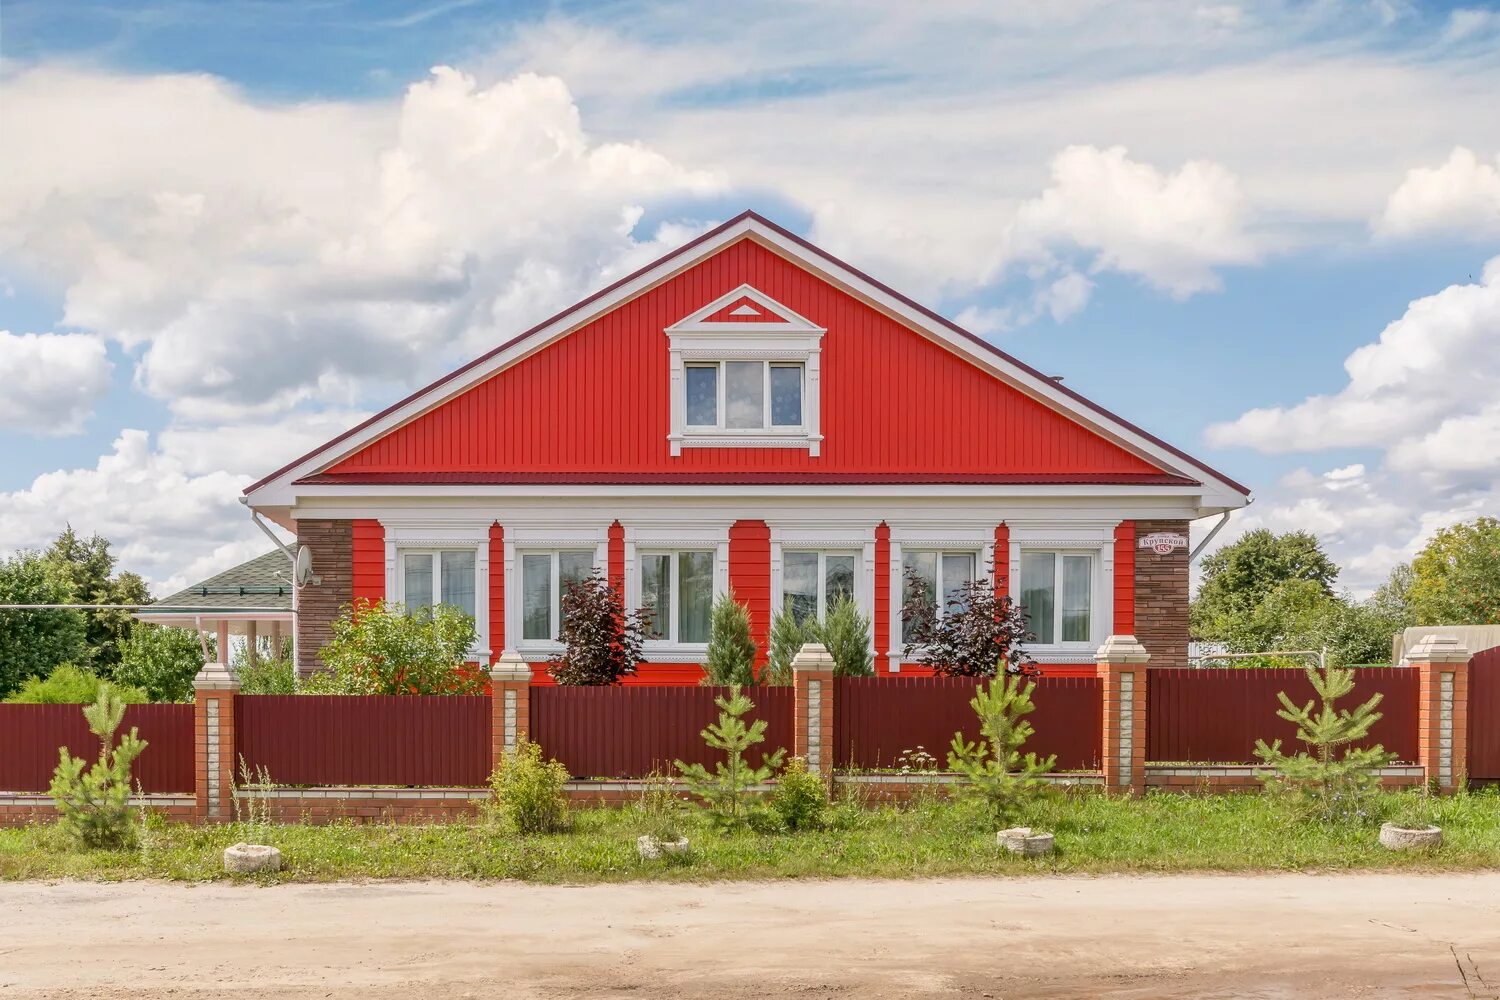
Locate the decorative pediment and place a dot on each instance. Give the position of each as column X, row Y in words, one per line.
column 743, row 311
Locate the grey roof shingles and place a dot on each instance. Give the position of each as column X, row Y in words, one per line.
column 270, row 570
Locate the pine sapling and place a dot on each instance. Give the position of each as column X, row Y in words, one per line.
column 727, row 788
column 993, row 767
column 1329, row 785
column 93, row 806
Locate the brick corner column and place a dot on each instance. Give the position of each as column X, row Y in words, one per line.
column 812, row 707
column 214, row 689
column 1442, row 664
column 510, row 704
column 1122, row 671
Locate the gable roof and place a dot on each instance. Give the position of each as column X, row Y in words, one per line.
column 1177, row 465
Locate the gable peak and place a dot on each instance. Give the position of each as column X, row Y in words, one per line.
column 746, row 309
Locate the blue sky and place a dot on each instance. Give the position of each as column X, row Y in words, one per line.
column 234, row 227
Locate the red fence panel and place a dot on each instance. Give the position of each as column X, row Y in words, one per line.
column 1216, row 715
column 629, row 732
column 365, row 740
column 877, row 719
column 31, row 734
column 1484, row 715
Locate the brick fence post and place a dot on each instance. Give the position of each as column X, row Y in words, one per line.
column 214, row 688
column 1122, row 670
column 812, row 707
column 510, row 704
column 1442, row 664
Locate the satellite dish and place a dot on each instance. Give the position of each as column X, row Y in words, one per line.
column 302, row 568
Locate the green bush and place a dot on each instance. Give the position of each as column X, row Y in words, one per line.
column 529, row 790
column 93, row 806
column 801, row 797
column 160, row 660
column 70, row 685
column 268, row 676
column 727, row 789
column 380, row 649
column 731, row 651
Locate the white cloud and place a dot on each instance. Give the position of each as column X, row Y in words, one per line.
column 49, row 382
column 261, row 256
column 1461, row 196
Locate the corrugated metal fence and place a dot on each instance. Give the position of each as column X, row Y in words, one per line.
column 629, row 732
column 878, row 719
column 374, row 740
column 30, row 736
column 1217, row 715
column 1484, row 716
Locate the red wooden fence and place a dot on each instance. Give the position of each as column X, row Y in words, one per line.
column 877, row 719
column 1484, row 716
column 31, row 734
column 1217, row 715
column 629, row 732
column 354, row 740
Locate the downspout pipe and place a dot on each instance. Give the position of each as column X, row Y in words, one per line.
column 1198, row 549
column 291, row 555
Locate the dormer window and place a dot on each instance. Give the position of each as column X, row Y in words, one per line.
column 744, row 395
column 744, row 373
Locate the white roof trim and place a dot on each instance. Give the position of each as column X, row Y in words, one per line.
column 788, row 321
column 280, row 491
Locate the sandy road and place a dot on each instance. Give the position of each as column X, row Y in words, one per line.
column 1179, row 936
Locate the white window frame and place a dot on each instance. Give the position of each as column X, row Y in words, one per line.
column 1092, row 555
column 783, row 338
column 1076, row 537
column 938, row 536
column 822, row 553
column 555, row 611
column 721, row 404
column 674, row 564
column 534, row 538
column 679, row 535
column 937, row 595
column 420, row 535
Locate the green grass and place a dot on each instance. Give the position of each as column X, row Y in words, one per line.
column 1095, row 834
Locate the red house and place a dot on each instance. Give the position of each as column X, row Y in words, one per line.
column 749, row 412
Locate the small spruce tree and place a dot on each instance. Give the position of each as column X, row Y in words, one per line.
column 788, row 635
column 731, row 651
column 993, row 768
column 726, row 789
column 846, row 634
column 93, row 806
column 1325, row 784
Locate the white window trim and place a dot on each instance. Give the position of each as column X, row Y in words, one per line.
column 937, row 536
column 554, row 612
column 1078, row 537
column 721, row 403
column 426, row 535
column 542, row 538
column 830, row 537
column 791, row 340
column 680, row 536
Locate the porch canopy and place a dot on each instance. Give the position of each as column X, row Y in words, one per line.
column 254, row 599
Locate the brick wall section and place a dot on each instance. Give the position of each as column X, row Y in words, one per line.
column 213, row 754
column 332, row 544
column 1161, row 597
column 750, row 579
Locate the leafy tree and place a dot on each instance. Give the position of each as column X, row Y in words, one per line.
column 89, row 568
column 1455, row 579
column 160, row 660
column 379, row 649
column 788, row 635
column 1239, row 576
column 602, row 642
column 977, row 633
column 70, row 685
column 993, row 768
column 727, row 787
column 93, row 806
column 1297, row 614
column 846, row 634
column 34, row 643
column 1326, row 784
column 731, row 651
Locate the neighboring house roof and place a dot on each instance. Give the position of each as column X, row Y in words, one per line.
column 262, row 584
column 317, row 468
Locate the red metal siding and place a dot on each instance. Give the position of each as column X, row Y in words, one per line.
column 882, row 624
column 1217, row 715
column 369, row 560
column 647, row 675
column 616, row 569
column 750, row 578
column 880, row 718
column 1125, row 578
column 30, row 736
column 1002, row 560
column 564, row 409
column 497, row 591
column 365, row 740
column 628, row 732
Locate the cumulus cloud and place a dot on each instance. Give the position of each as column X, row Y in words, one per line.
column 1461, row 196
column 261, row 256
column 49, row 382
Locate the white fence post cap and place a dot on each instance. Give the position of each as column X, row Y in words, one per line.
column 812, row 657
column 216, row 677
column 1122, row 649
column 510, row 667
column 1438, row 649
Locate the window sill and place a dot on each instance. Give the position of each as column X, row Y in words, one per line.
column 752, row 439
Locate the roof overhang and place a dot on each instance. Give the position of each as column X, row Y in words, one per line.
column 281, row 488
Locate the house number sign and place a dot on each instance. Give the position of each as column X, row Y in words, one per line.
column 1163, row 542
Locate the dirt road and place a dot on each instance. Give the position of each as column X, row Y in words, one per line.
column 1179, row 936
